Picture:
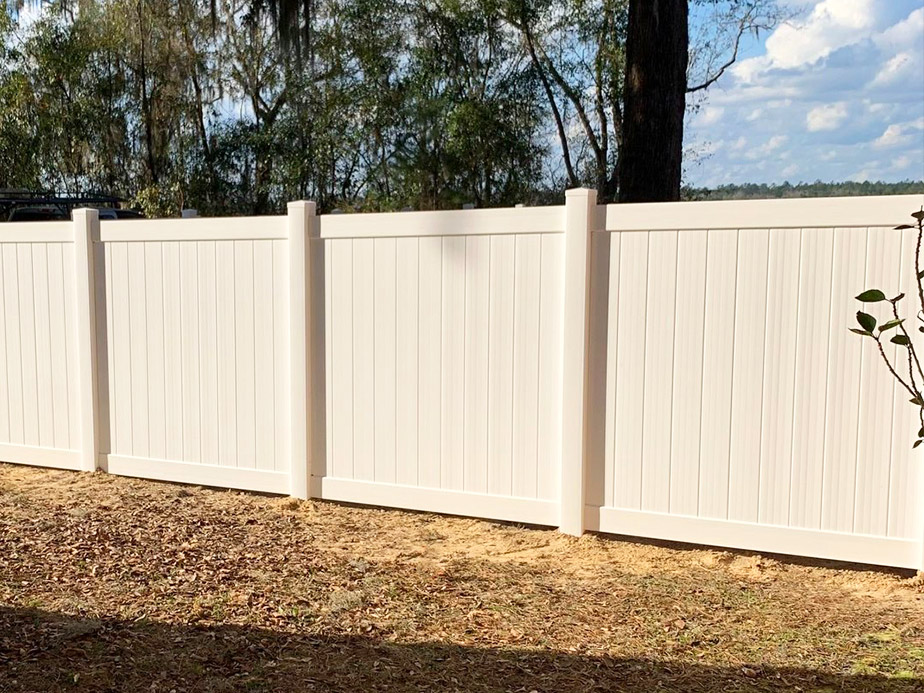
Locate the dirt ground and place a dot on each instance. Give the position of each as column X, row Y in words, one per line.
column 115, row 584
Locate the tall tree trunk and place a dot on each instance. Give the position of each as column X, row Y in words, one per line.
column 655, row 89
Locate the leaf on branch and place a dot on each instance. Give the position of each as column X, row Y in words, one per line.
column 901, row 340
column 867, row 321
column 897, row 298
column 901, row 227
column 917, row 401
column 871, row 296
column 863, row 332
column 889, row 325
column 918, row 215
column 921, row 432
column 916, row 443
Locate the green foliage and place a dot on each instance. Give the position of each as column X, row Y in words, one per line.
column 394, row 103
column 904, row 364
column 357, row 104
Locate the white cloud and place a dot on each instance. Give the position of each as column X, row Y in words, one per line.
column 843, row 84
column 906, row 32
column 898, row 134
column 832, row 24
column 767, row 147
column 710, row 115
column 896, row 68
column 827, row 117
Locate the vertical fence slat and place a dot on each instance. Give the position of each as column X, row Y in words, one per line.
column 550, row 365
column 30, row 398
column 385, row 358
column 526, row 366
column 406, row 317
column 57, row 323
column 120, row 348
column 612, row 361
column 429, row 352
column 156, row 362
column 173, row 350
column 137, row 345
column 904, row 493
column 244, row 349
column 477, row 310
column 226, row 352
column 687, row 402
column 209, row 355
column 811, row 375
column 843, row 390
column 718, row 350
column 264, row 358
column 364, row 359
column 659, row 368
column 190, row 315
column 748, row 365
column 500, row 363
column 41, row 309
column 779, row 381
column 630, row 368
column 342, row 358
column 876, row 395
column 452, row 364
column 281, row 377
column 14, row 370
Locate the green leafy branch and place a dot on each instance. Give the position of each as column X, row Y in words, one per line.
column 913, row 382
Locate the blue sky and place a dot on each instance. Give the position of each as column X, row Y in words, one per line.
column 837, row 93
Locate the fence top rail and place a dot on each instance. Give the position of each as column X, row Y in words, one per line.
column 195, row 229
column 826, row 212
column 37, row 232
column 463, row 222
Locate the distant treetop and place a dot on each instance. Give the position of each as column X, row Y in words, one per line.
column 755, row 191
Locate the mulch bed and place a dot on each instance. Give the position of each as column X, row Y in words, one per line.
column 116, row 584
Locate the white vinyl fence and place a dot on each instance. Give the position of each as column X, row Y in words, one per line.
column 678, row 371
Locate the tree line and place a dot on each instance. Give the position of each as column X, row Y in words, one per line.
column 763, row 191
column 237, row 106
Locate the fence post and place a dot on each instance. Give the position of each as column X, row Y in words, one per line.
column 580, row 205
column 86, row 231
column 301, row 223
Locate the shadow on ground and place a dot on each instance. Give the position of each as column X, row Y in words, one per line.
column 44, row 651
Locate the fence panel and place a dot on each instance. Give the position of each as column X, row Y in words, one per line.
column 197, row 352
column 739, row 408
column 443, row 369
column 39, row 416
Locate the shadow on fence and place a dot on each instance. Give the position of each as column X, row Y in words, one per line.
column 45, row 651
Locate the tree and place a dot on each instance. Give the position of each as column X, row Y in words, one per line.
column 650, row 162
column 579, row 49
column 238, row 105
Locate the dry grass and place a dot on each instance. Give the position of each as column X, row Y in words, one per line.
column 108, row 583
